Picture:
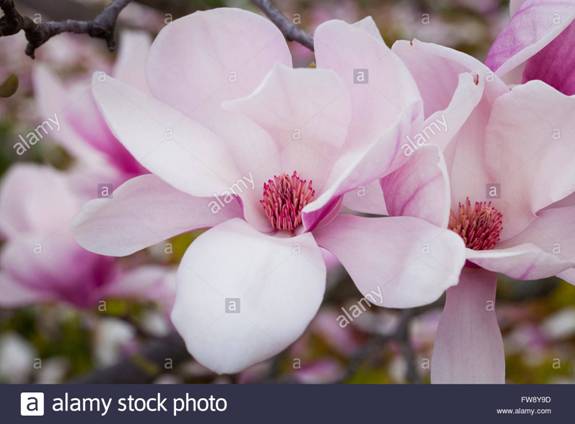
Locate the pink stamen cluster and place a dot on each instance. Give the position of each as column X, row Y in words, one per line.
column 479, row 225
column 283, row 199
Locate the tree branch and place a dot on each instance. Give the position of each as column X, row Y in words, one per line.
column 102, row 26
column 403, row 337
column 290, row 30
column 62, row 9
column 80, row 9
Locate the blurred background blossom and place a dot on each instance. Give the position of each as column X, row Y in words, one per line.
column 55, row 341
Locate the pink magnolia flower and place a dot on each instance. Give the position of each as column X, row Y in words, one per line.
column 82, row 131
column 40, row 260
column 509, row 166
column 238, row 140
column 537, row 44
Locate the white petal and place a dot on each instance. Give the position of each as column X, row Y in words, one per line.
column 275, row 284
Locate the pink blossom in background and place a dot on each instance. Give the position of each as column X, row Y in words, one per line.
column 64, row 51
column 321, row 371
column 238, row 140
column 41, row 262
column 507, row 171
column 537, row 44
column 83, row 132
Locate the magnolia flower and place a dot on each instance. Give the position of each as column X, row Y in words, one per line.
column 238, row 140
column 537, row 44
column 509, row 166
column 40, row 260
column 81, row 129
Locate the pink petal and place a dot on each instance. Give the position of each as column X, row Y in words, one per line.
column 89, row 181
column 544, row 249
column 533, row 26
column 356, row 168
column 14, row 295
column 385, row 104
column 322, row 116
column 76, row 123
column 366, row 199
column 184, row 154
column 54, row 265
column 39, row 255
column 328, row 208
column 25, row 192
column 308, row 130
column 568, row 276
column 554, row 64
column 468, row 347
column 132, row 59
column 525, row 261
column 257, row 159
column 145, row 211
column 311, row 161
column 52, row 100
column 466, row 97
column 420, row 188
column 84, row 118
column 368, row 25
column 388, row 91
column 398, row 262
column 202, row 59
column 438, row 70
column 566, row 201
column 467, row 119
column 276, row 285
column 540, row 171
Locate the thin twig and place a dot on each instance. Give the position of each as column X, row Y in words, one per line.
column 290, row 30
column 102, row 26
column 403, row 337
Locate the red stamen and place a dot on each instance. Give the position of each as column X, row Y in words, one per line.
column 283, row 199
column 479, row 225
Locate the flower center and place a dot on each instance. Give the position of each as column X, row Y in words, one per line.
column 479, row 225
column 283, row 199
